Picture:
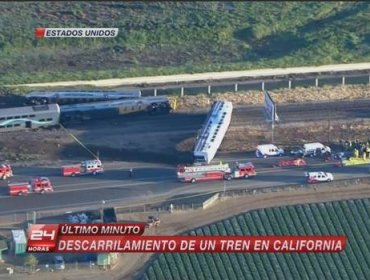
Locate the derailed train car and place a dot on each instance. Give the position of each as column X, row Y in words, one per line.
column 29, row 117
column 75, row 97
column 51, row 115
column 101, row 110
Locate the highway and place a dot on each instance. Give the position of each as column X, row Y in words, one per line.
column 150, row 182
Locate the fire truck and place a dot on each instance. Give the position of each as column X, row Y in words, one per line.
column 207, row 172
column 5, row 171
column 39, row 185
column 93, row 167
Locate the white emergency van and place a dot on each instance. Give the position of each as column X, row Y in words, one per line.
column 268, row 150
column 317, row 177
column 313, row 149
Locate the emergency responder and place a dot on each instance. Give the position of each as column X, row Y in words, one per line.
column 364, row 155
column 131, row 173
column 355, row 153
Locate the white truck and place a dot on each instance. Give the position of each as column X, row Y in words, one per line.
column 314, row 149
column 268, row 150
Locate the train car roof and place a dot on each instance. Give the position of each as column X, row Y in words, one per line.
column 210, row 129
column 85, row 94
column 29, row 110
column 112, row 104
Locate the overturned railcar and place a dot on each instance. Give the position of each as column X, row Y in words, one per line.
column 101, row 110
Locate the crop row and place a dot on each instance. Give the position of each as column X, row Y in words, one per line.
column 350, row 218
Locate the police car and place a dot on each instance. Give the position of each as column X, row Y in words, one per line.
column 317, row 177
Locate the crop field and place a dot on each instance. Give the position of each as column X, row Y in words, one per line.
column 351, row 218
column 160, row 38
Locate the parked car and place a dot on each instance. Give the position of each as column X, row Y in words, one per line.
column 59, row 263
column 297, row 151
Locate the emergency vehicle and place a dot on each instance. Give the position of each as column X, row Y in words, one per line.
column 268, row 150
column 318, row 177
column 291, row 162
column 85, row 167
column 194, row 173
column 314, row 149
column 5, row 171
column 39, row 185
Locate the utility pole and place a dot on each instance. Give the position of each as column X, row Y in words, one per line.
column 272, row 123
column 102, row 211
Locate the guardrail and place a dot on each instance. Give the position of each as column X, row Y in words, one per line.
column 259, row 85
column 210, row 200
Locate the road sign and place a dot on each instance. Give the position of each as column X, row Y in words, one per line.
column 270, row 108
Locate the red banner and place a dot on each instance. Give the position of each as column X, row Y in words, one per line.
column 195, row 244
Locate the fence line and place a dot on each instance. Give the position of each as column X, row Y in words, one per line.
column 288, row 83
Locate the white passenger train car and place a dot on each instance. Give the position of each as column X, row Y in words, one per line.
column 213, row 131
column 100, row 110
column 20, row 118
column 74, row 97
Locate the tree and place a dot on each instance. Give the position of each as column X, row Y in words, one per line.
column 31, row 261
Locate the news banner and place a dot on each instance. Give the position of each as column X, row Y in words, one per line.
column 129, row 238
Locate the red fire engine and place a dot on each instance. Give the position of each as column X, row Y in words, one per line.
column 5, row 171
column 194, row 173
column 37, row 185
column 85, row 167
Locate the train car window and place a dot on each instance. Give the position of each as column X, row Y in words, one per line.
column 9, row 118
column 41, row 120
column 17, row 117
column 9, row 125
column 32, row 116
column 49, row 119
column 17, row 124
column 2, row 119
column 25, row 116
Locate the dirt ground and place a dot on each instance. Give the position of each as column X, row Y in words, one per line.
column 280, row 96
column 131, row 265
column 49, row 145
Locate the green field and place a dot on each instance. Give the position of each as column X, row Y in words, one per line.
column 351, row 218
column 178, row 37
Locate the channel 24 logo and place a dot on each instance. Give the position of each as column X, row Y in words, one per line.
column 42, row 238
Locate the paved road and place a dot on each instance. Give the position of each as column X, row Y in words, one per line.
column 183, row 78
column 149, row 182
